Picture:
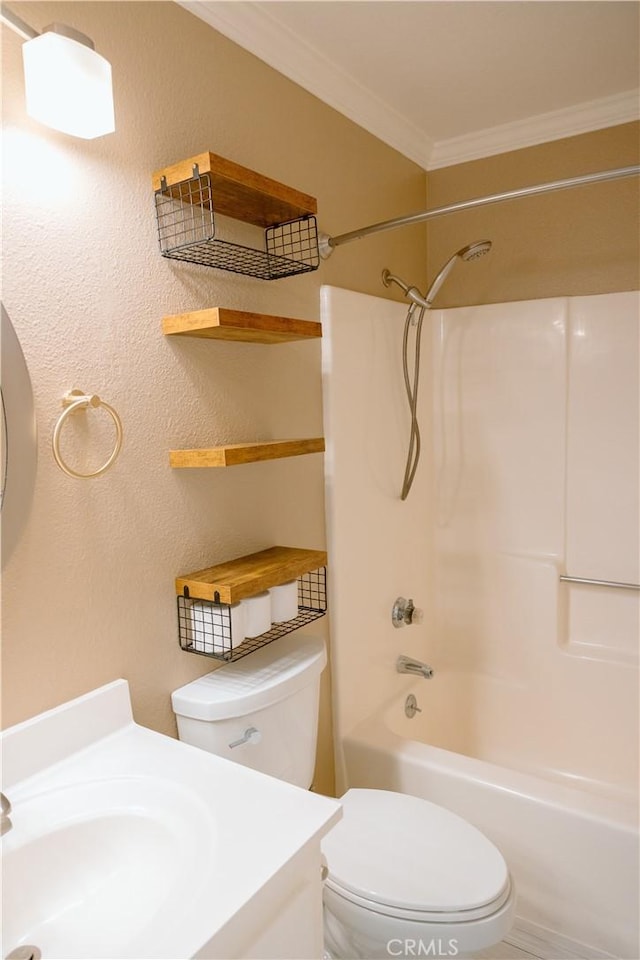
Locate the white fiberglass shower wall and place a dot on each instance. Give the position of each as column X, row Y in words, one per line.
column 529, row 418
column 536, row 458
column 529, row 473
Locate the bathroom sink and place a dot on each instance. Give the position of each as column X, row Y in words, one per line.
column 128, row 844
column 80, row 856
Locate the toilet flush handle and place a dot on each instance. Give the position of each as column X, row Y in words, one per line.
column 251, row 735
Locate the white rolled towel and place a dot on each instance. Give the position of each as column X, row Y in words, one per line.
column 257, row 613
column 284, row 601
column 238, row 626
column 216, row 629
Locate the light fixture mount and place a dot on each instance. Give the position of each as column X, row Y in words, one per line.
column 64, row 30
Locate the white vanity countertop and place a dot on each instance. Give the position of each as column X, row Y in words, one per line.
column 232, row 828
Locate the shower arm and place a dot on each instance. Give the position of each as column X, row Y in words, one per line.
column 328, row 244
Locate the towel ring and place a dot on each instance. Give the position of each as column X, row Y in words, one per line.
column 73, row 401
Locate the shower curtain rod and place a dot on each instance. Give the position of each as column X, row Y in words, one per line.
column 327, row 244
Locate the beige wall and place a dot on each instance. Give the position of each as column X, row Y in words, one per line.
column 88, row 593
column 574, row 242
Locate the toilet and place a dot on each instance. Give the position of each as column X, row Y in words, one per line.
column 405, row 877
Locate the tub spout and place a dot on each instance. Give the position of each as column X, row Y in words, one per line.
column 416, row 667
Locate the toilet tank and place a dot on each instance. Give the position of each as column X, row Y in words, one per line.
column 276, row 691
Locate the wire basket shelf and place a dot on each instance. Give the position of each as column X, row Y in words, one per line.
column 206, row 628
column 187, row 231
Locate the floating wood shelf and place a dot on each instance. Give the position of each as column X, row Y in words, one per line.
column 246, row 576
column 239, row 192
column 218, row 323
column 237, row 453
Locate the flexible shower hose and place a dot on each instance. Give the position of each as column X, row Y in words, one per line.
column 413, row 454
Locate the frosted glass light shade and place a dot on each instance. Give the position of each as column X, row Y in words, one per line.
column 68, row 86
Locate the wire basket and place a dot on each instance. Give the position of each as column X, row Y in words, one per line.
column 206, row 628
column 187, row 231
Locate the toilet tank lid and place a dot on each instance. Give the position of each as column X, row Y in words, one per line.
column 260, row 679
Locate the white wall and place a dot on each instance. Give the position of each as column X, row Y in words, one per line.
column 378, row 545
column 536, row 439
column 530, row 427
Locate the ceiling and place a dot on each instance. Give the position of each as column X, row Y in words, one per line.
column 444, row 81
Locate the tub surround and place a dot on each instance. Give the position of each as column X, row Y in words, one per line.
column 530, row 419
column 529, row 472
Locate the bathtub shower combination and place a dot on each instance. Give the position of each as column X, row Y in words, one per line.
column 520, row 542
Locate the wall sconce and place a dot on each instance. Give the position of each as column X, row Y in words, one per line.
column 67, row 84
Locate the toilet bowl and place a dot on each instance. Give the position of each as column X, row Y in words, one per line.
column 409, row 878
column 406, row 878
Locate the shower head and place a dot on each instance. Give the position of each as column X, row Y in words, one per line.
column 471, row 252
column 475, row 250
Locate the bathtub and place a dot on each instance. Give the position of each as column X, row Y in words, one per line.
column 572, row 850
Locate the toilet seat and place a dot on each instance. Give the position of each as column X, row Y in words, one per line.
column 404, row 857
column 422, row 916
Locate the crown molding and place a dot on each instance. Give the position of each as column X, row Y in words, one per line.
column 252, row 27
column 556, row 125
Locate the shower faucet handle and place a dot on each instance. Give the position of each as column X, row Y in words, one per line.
column 417, row 615
column 404, row 611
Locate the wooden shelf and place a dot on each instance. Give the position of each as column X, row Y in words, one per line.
column 218, row 323
column 239, row 192
column 236, row 453
column 247, row 576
